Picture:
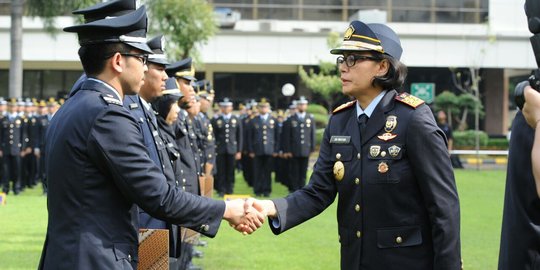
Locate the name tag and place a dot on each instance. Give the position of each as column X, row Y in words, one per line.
column 133, row 106
column 340, row 139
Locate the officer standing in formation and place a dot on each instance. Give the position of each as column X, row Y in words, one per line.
column 298, row 139
column 246, row 159
column 206, row 137
column 228, row 132
column 262, row 147
column 385, row 156
column 96, row 159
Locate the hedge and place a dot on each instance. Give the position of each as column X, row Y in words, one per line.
column 467, row 138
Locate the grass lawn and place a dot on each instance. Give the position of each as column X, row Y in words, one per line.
column 313, row 245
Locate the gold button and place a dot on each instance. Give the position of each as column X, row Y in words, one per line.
column 399, row 240
column 358, row 156
column 358, row 234
column 357, row 181
column 383, row 153
column 338, row 156
column 129, row 257
column 357, row 208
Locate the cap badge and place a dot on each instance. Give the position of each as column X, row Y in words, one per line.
column 348, row 33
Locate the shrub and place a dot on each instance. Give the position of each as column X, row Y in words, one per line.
column 467, row 138
column 321, row 120
column 319, row 136
column 317, row 109
column 498, row 143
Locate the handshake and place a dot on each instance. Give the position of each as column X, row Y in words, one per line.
column 246, row 216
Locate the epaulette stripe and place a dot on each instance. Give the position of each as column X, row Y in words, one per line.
column 343, row 106
column 409, row 100
column 111, row 100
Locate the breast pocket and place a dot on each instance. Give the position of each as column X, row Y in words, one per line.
column 342, row 157
column 399, row 237
column 386, row 163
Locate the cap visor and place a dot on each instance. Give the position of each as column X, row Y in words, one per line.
column 141, row 46
column 158, row 61
column 342, row 49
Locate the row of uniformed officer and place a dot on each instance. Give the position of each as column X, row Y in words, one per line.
column 21, row 139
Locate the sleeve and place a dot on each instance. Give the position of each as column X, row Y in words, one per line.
column 312, row 199
column 286, row 136
column 313, row 134
column 116, row 146
column 433, row 169
column 239, row 135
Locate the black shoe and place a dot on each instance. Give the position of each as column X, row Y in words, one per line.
column 197, row 253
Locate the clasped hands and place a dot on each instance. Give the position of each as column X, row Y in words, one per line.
column 247, row 215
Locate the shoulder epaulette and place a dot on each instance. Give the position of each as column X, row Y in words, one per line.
column 344, row 106
column 111, row 100
column 409, row 100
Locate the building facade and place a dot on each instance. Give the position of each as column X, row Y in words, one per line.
column 273, row 39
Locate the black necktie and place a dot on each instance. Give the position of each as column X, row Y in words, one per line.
column 362, row 122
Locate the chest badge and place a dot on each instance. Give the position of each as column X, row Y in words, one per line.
column 374, row 150
column 389, row 126
column 383, row 167
column 339, row 168
column 394, row 150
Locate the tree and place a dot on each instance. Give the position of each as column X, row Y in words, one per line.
column 447, row 102
column 185, row 24
column 15, row 65
column 326, row 82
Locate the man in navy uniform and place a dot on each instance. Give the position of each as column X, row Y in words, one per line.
column 207, row 137
column 247, row 161
column 298, row 143
column 43, row 123
column 98, row 167
column 12, row 144
column 184, row 73
column 228, row 131
column 384, row 155
column 262, row 137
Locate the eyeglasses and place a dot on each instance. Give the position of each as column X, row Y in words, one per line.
column 142, row 57
column 350, row 60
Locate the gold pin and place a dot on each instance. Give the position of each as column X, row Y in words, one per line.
column 391, row 123
column 339, row 170
column 374, row 150
column 338, row 156
column 383, row 154
column 382, row 168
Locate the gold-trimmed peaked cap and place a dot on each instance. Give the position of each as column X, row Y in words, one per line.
column 370, row 37
column 182, row 69
column 129, row 29
column 171, row 88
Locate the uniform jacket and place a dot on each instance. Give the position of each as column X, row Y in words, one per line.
column 228, row 134
column 187, row 157
column 12, row 135
column 154, row 146
column 404, row 218
column 262, row 136
column 98, row 169
column 520, row 237
column 299, row 135
column 208, row 145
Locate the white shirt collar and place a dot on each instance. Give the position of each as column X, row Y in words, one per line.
column 146, row 105
column 371, row 107
column 108, row 86
column 301, row 114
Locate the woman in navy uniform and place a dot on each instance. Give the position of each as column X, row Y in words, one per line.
column 385, row 156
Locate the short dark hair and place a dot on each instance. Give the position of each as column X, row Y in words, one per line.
column 395, row 77
column 94, row 56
